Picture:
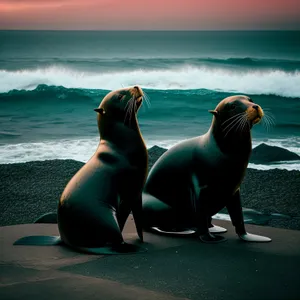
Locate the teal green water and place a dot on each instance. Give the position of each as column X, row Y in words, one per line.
column 51, row 81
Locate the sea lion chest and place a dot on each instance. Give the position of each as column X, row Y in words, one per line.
column 221, row 173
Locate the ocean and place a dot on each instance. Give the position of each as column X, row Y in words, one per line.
column 50, row 82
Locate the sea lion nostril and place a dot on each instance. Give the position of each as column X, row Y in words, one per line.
column 255, row 107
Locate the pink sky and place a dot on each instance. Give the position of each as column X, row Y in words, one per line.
column 149, row 14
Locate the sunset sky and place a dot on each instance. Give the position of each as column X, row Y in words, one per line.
column 150, row 14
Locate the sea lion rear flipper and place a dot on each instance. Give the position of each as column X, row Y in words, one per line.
column 174, row 231
column 39, row 240
column 160, row 218
column 217, row 229
column 50, row 218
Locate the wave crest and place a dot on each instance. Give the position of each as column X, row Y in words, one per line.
column 276, row 82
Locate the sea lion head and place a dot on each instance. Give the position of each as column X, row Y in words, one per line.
column 237, row 113
column 121, row 103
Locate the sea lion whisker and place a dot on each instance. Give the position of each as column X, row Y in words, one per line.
column 127, row 108
column 144, row 99
column 268, row 122
column 233, row 123
column 231, row 120
column 241, row 124
column 147, row 99
column 244, row 123
column 133, row 109
column 238, row 124
column 235, row 116
column 128, row 105
column 270, row 117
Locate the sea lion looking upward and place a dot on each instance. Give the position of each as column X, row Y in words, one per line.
column 97, row 201
column 198, row 177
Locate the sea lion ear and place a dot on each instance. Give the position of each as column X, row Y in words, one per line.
column 101, row 111
column 214, row 112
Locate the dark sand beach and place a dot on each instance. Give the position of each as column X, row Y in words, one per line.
column 173, row 268
column 28, row 190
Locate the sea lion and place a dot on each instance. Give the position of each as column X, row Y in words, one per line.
column 198, row 177
column 97, row 201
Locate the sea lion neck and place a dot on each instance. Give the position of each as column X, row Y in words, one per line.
column 120, row 133
column 239, row 145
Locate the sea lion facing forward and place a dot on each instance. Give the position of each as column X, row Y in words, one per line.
column 96, row 202
column 198, row 177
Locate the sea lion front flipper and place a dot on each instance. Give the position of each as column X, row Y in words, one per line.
column 234, row 207
column 39, row 240
column 235, row 211
column 248, row 237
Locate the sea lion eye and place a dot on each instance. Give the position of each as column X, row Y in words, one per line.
column 120, row 96
column 232, row 106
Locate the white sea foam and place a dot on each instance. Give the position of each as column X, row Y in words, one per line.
column 251, row 82
column 80, row 150
column 83, row 149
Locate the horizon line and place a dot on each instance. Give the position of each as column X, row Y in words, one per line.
column 140, row 30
